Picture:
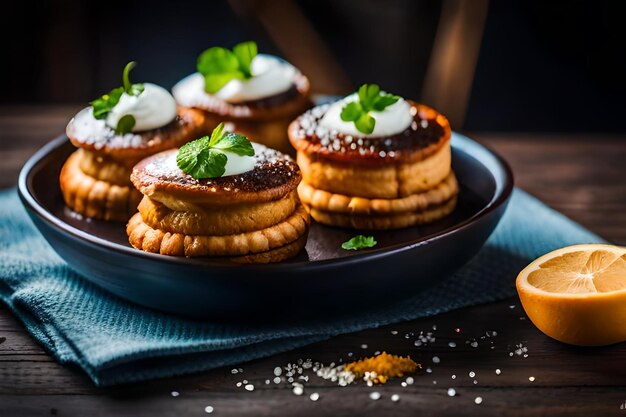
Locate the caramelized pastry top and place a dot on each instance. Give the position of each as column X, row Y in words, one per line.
column 88, row 133
column 273, row 176
column 428, row 132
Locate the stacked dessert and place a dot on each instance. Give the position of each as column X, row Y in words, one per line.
column 374, row 161
column 258, row 94
column 220, row 197
column 113, row 134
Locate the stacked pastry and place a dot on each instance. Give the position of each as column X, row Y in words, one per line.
column 118, row 130
column 257, row 94
column 248, row 213
column 375, row 161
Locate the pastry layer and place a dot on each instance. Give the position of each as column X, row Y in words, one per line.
column 218, row 220
column 144, row 237
column 384, row 222
column 128, row 149
column 274, row 255
column 94, row 198
column 104, row 168
column 429, row 132
column 158, row 177
column 388, row 181
column 340, row 203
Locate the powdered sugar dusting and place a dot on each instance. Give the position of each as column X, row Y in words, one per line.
column 330, row 141
column 87, row 130
column 272, row 169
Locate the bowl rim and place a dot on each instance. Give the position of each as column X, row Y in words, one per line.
column 494, row 163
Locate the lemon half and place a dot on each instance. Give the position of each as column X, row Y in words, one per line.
column 577, row 294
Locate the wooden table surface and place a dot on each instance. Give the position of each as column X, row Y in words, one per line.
column 580, row 175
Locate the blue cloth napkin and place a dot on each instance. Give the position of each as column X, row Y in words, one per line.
column 118, row 342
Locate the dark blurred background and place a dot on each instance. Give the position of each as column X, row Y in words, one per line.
column 532, row 65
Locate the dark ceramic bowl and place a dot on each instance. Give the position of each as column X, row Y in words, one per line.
column 323, row 278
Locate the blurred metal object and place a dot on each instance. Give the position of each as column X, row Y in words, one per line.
column 295, row 36
column 450, row 73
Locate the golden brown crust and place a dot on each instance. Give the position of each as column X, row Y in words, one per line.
column 94, row 198
column 274, row 176
column 104, row 168
column 339, row 203
column 384, row 222
column 129, row 149
column 218, row 220
column 275, row 255
column 144, row 237
column 377, row 181
column 415, row 144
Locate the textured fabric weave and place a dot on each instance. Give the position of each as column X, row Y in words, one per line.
column 118, row 342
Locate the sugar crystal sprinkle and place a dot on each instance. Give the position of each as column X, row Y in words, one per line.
column 531, row 378
column 249, row 387
column 498, row 371
column 314, row 396
column 520, row 350
column 451, row 392
column 436, row 359
column 478, row 400
column 375, row 395
column 395, row 398
column 208, row 409
column 175, row 393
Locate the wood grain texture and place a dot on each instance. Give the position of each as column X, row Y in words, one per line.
column 580, row 175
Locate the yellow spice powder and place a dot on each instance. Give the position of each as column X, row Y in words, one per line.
column 384, row 366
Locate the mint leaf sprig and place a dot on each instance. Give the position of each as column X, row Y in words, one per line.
column 220, row 65
column 359, row 242
column 202, row 158
column 370, row 99
column 103, row 105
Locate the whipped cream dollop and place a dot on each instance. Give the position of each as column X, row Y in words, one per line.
column 238, row 164
column 391, row 121
column 155, row 107
column 235, row 164
column 270, row 76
